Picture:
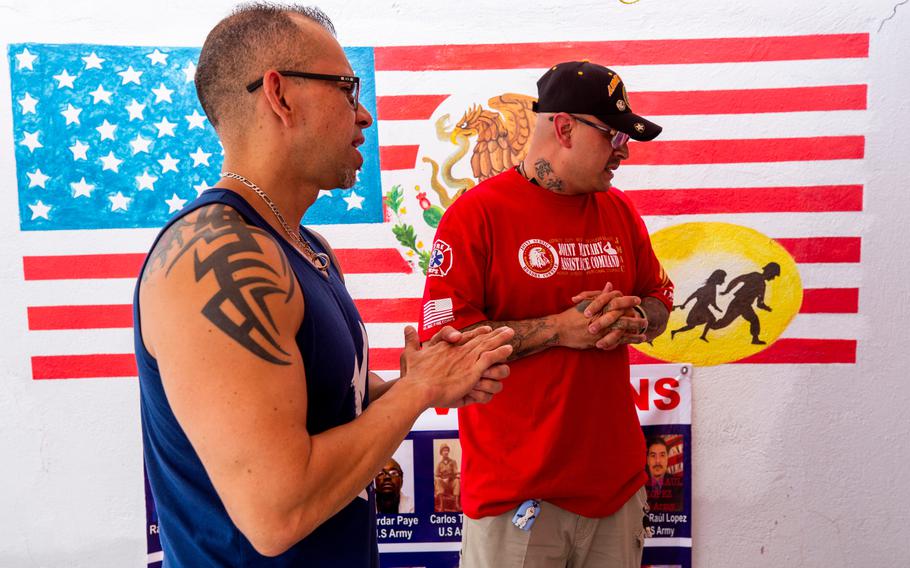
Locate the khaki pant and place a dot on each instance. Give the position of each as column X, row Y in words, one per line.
column 558, row 539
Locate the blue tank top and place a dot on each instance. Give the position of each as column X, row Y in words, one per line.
column 194, row 526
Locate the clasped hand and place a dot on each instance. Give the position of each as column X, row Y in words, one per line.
column 602, row 319
column 458, row 368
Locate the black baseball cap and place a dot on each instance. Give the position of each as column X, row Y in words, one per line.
column 582, row 87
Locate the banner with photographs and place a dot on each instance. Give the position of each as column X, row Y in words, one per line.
column 418, row 491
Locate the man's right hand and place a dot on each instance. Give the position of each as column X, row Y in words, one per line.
column 600, row 319
column 456, row 374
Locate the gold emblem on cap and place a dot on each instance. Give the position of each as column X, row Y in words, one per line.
column 621, row 105
column 614, row 82
column 639, row 127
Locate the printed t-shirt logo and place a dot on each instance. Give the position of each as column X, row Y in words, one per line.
column 538, row 258
column 441, row 259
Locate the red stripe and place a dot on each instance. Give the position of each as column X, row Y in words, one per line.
column 385, row 358
column 676, row 103
column 750, row 101
column 80, row 317
column 785, row 351
column 830, row 301
column 83, row 366
column 398, row 157
column 823, row 249
column 75, row 267
column 748, row 200
column 372, row 261
column 120, row 316
column 731, row 151
column 407, row 107
column 78, row 266
column 621, row 53
column 389, row 310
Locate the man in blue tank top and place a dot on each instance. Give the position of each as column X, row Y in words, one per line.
column 262, row 426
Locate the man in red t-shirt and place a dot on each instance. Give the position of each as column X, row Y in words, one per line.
column 550, row 250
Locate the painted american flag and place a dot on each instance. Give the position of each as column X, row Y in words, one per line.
column 110, row 141
column 763, row 132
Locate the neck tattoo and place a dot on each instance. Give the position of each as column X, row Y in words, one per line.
column 320, row 260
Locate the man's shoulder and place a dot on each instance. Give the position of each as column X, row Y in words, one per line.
column 491, row 192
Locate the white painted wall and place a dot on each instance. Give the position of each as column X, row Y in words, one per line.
column 797, row 466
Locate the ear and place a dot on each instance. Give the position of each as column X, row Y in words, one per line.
column 273, row 86
column 562, row 128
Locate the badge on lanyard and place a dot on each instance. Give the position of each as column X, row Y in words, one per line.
column 526, row 513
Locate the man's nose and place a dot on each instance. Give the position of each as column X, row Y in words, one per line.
column 364, row 118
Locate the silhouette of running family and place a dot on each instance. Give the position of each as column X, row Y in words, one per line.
column 750, row 289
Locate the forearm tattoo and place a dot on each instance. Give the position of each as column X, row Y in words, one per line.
column 531, row 336
column 225, row 247
column 544, row 173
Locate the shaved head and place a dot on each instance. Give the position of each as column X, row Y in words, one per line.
column 254, row 38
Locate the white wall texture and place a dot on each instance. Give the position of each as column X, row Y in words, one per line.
column 799, row 466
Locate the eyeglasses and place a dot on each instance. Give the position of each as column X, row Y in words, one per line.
column 352, row 89
column 617, row 138
column 391, row 473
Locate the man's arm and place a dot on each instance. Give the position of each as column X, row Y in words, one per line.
column 575, row 328
column 220, row 310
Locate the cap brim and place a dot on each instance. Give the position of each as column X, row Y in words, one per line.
column 627, row 121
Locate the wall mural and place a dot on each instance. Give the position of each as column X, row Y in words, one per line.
column 750, row 195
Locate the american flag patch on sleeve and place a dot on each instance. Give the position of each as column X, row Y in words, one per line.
column 437, row 312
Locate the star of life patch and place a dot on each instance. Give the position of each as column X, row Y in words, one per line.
column 441, row 259
column 437, row 312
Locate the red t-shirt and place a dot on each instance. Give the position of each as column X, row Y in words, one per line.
column 564, row 429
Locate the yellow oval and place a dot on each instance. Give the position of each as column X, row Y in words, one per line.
column 724, row 276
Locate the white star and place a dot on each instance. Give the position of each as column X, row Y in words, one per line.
column 323, row 193
column 135, row 109
column 31, row 140
column 106, row 130
column 64, row 79
column 140, row 144
column 175, row 203
column 39, row 210
column 200, row 158
column 354, row 201
column 72, row 114
column 146, row 181
column 93, row 61
column 200, row 187
column 168, row 164
column 79, row 151
column 189, row 71
column 100, row 94
column 158, row 57
column 195, row 119
column 26, row 59
column 165, row 128
column 37, row 178
column 162, row 93
column 119, row 201
column 130, row 76
column 82, row 189
column 111, row 163
column 28, row 104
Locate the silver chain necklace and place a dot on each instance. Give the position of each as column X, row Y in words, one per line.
column 318, row 259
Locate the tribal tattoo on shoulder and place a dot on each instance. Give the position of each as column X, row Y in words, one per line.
column 544, row 172
column 233, row 257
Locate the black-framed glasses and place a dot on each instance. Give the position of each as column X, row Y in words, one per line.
column 353, row 93
column 617, row 138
